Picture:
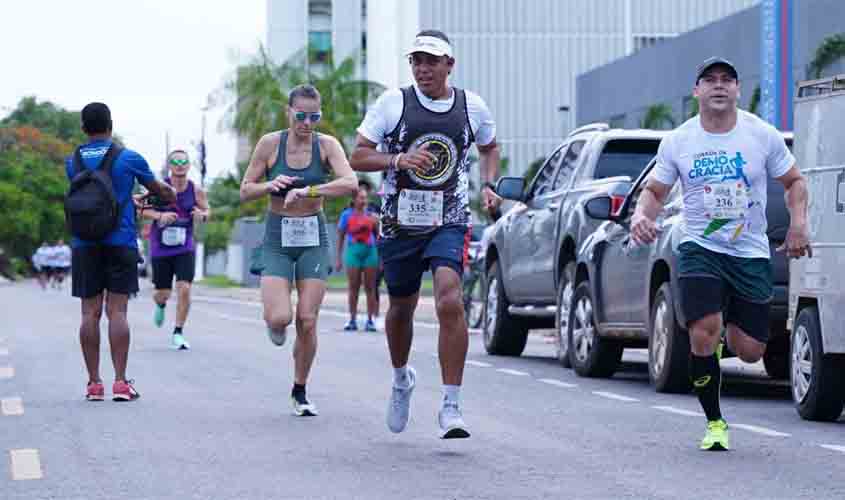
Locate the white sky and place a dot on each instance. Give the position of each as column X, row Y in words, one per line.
column 153, row 62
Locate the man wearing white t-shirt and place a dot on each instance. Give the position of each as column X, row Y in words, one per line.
column 425, row 132
column 723, row 158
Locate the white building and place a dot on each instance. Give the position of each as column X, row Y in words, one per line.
column 521, row 56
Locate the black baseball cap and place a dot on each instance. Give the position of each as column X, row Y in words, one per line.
column 715, row 61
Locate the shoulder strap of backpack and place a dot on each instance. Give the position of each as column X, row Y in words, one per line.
column 76, row 165
column 109, row 159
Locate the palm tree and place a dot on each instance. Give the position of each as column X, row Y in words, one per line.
column 755, row 101
column 657, row 116
column 257, row 94
column 831, row 50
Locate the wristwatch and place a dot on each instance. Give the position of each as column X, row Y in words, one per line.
column 490, row 185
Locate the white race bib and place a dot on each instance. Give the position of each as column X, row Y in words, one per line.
column 300, row 231
column 726, row 200
column 174, row 236
column 420, row 208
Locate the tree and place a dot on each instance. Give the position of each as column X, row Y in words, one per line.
column 657, row 117
column 693, row 108
column 47, row 117
column 831, row 50
column 754, row 105
column 532, row 169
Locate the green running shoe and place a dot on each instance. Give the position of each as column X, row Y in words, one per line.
column 716, row 438
column 158, row 318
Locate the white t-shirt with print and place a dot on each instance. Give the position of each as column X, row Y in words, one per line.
column 724, row 179
column 385, row 114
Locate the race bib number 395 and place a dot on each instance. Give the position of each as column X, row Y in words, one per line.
column 420, row 208
column 726, row 200
column 300, row 231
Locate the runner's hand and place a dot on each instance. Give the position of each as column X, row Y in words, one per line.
column 797, row 243
column 295, row 194
column 167, row 218
column 492, row 201
column 643, row 230
column 280, row 183
column 199, row 213
column 418, row 160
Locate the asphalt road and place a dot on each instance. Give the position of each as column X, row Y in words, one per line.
column 215, row 422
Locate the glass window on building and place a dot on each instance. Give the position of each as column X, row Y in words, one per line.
column 644, row 41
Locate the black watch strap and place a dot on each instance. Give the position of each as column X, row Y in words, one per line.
column 490, row 185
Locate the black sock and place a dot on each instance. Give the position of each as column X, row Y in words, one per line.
column 298, row 392
column 160, row 305
column 706, row 382
column 177, row 330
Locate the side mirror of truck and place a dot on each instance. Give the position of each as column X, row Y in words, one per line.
column 599, row 208
column 511, row 188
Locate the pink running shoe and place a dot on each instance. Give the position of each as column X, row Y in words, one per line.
column 123, row 390
column 95, row 391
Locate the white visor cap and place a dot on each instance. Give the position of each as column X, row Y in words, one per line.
column 430, row 45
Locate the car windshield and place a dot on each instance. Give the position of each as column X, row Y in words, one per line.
column 625, row 157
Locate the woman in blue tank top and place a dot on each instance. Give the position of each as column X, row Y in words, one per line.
column 293, row 166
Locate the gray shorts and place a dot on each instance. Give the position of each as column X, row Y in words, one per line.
column 294, row 263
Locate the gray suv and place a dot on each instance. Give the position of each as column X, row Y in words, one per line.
column 530, row 257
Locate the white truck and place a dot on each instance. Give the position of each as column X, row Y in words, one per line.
column 817, row 285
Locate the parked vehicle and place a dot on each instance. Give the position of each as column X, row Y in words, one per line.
column 817, row 285
column 529, row 262
column 627, row 295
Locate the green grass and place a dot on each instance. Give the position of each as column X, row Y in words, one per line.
column 219, row 282
column 340, row 281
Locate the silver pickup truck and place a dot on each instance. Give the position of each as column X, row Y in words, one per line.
column 529, row 261
column 817, row 285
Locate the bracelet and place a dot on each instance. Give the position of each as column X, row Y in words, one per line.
column 394, row 162
column 312, row 192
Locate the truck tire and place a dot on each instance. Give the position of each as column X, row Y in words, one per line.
column 591, row 355
column 504, row 335
column 668, row 346
column 565, row 290
column 816, row 378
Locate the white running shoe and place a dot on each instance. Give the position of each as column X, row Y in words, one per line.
column 179, row 343
column 399, row 408
column 277, row 337
column 302, row 407
column 451, row 422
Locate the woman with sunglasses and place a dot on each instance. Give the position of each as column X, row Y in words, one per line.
column 172, row 248
column 294, row 166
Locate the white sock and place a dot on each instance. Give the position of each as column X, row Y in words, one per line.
column 451, row 394
column 401, row 378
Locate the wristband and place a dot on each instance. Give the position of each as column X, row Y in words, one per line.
column 312, row 192
column 489, row 185
column 394, row 162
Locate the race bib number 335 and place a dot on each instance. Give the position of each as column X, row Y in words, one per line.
column 726, row 200
column 420, row 208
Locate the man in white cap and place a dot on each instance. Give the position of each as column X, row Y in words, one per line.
column 423, row 133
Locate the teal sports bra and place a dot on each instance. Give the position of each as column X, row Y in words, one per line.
column 315, row 173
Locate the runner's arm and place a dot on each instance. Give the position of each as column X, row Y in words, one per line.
column 164, row 191
column 651, row 200
column 251, row 186
column 797, row 241
column 202, row 209
column 365, row 157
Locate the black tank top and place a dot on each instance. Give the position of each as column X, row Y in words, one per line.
column 449, row 136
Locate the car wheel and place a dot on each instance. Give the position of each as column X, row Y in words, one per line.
column 668, row 346
column 504, row 334
column 564, row 303
column 816, row 378
column 591, row 355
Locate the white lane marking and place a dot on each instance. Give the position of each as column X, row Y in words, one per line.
column 25, row 465
column 833, row 447
column 239, row 319
column 557, row 383
column 4, row 351
column 11, row 406
column 323, row 312
column 760, row 430
column 513, row 372
column 678, row 411
column 6, row 372
column 478, row 363
column 617, row 397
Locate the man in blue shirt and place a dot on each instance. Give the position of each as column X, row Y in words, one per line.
column 109, row 265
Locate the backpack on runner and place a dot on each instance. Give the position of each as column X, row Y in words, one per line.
column 91, row 208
